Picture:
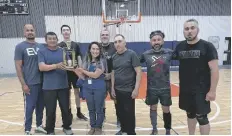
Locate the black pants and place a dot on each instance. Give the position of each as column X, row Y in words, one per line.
column 126, row 111
column 50, row 99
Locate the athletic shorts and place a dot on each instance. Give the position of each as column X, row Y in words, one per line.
column 72, row 79
column 163, row 96
column 194, row 103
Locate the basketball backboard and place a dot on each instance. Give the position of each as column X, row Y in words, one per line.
column 114, row 11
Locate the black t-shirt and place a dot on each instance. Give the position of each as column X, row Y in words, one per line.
column 124, row 72
column 194, row 71
column 108, row 52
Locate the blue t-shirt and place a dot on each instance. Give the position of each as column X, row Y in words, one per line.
column 97, row 83
column 27, row 52
column 54, row 79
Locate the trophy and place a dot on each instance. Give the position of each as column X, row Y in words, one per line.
column 69, row 57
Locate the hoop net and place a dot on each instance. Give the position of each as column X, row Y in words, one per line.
column 122, row 20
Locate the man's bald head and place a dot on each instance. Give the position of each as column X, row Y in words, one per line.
column 29, row 31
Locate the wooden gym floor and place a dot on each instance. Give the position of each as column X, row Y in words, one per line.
column 12, row 110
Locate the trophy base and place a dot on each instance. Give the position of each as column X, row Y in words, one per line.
column 69, row 67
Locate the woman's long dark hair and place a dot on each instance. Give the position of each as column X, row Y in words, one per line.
column 89, row 58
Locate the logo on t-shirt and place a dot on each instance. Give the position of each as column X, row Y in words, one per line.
column 157, row 60
column 31, row 51
column 190, row 54
column 106, row 55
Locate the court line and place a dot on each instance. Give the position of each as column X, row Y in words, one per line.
column 137, row 129
column 9, row 93
column 113, row 130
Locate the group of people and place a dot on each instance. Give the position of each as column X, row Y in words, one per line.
column 111, row 68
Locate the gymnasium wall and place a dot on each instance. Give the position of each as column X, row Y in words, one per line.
column 84, row 18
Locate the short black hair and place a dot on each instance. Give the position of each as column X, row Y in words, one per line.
column 29, row 24
column 50, row 33
column 120, row 35
column 192, row 20
column 65, row 26
column 157, row 32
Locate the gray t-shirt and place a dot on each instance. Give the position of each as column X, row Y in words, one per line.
column 158, row 64
column 27, row 52
column 124, row 72
column 54, row 79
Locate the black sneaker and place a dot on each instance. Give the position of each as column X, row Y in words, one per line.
column 168, row 132
column 154, row 132
column 81, row 116
column 52, row 133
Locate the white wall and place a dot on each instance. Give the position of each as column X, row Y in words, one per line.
column 87, row 28
column 7, row 47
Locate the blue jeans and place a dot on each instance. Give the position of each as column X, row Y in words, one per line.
column 31, row 102
column 95, row 100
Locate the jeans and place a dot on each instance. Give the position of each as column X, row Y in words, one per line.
column 95, row 101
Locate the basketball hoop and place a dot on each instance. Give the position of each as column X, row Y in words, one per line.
column 120, row 21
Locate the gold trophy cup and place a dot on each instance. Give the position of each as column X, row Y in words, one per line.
column 69, row 58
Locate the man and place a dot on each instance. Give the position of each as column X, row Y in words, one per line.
column 26, row 64
column 198, row 74
column 108, row 50
column 158, row 80
column 72, row 78
column 55, row 84
column 125, row 77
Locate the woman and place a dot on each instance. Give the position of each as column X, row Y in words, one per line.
column 94, row 86
column 55, row 84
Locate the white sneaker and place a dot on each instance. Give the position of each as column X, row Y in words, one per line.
column 28, row 133
column 40, row 129
column 68, row 131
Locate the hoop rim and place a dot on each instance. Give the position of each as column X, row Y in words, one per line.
column 119, row 21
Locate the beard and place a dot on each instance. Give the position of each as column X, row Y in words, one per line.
column 30, row 38
column 105, row 42
column 157, row 47
column 190, row 38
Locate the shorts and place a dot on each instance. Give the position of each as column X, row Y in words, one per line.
column 194, row 103
column 72, row 79
column 108, row 89
column 164, row 98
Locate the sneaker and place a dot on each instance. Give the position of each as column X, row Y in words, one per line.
column 53, row 133
column 154, row 132
column 91, row 131
column 68, row 131
column 82, row 116
column 40, row 129
column 28, row 133
column 121, row 133
column 98, row 131
column 168, row 132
